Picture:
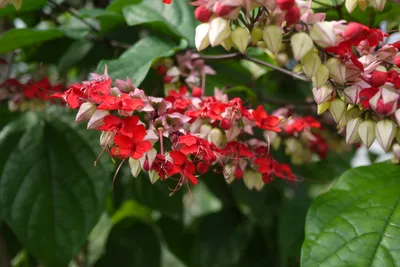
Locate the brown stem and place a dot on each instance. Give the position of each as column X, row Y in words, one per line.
column 285, row 71
column 5, row 260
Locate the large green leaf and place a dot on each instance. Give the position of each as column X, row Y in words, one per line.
column 176, row 18
column 75, row 53
column 132, row 243
column 136, row 61
column 19, row 38
column 356, row 223
column 50, row 192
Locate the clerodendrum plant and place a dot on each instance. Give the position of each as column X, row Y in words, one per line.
column 187, row 133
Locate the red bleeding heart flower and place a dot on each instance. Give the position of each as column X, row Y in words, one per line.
column 184, row 166
column 131, row 145
column 265, row 121
column 125, row 103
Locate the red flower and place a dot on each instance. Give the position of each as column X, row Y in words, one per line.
column 125, row 103
column 167, row 1
column 132, row 146
column 265, row 121
column 365, row 96
column 184, row 166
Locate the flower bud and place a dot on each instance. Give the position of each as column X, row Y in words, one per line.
column 337, row 71
column 397, row 116
column 222, row 10
column 240, row 37
column 202, row 14
column 396, row 154
column 352, row 134
column 153, row 175
column 323, row 107
column 106, row 138
column 227, row 44
column 311, row 63
column 378, row 4
column 292, row 15
column 228, row 174
column 322, row 94
column 378, row 78
column 351, row 94
column 217, row 137
column 86, row 111
column 97, row 119
column 301, row 45
column 272, row 36
column 17, row 4
column 351, row 5
column 322, row 33
column 256, row 35
column 134, row 164
column 385, row 132
column 285, row 4
column 220, row 29
column 321, row 76
column 201, row 38
column 253, row 179
column 366, row 130
column 337, row 109
column 205, row 130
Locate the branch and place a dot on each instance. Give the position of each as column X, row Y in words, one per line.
column 285, row 71
column 255, row 60
column 76, row 15
column 5, row 260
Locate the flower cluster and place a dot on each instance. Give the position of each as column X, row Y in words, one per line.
column 355, row 73
column 186, row 134
column 30, row 95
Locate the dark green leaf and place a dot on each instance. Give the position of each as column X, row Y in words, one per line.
column 131, row 244
column 175, row 18
column 176, row 237
column 356, row 223
column 75, row 53
column 28, row 5
column 221, row 239
column 19, row 38
column 136, row 61
column 51, row 194
column 118, row 5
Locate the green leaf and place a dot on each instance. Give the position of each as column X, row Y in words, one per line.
column 75, row 53
column 118, row 5
column 356, row 223
column 221, row 239
column 136, row 61
column 175, row 18
column 132, row 244
column 19, row 38
column 131, row 209
column 27, row 5
column 51, row 194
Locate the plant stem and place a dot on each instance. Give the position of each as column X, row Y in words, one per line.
column 5, row 260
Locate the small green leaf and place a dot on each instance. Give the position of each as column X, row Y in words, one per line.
column 19, row 38
column 136, row 61
column 51, row 194
column 131, row 209
column 75, row 53
column 356, row 223
column 174, row 18
column 132, row 243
